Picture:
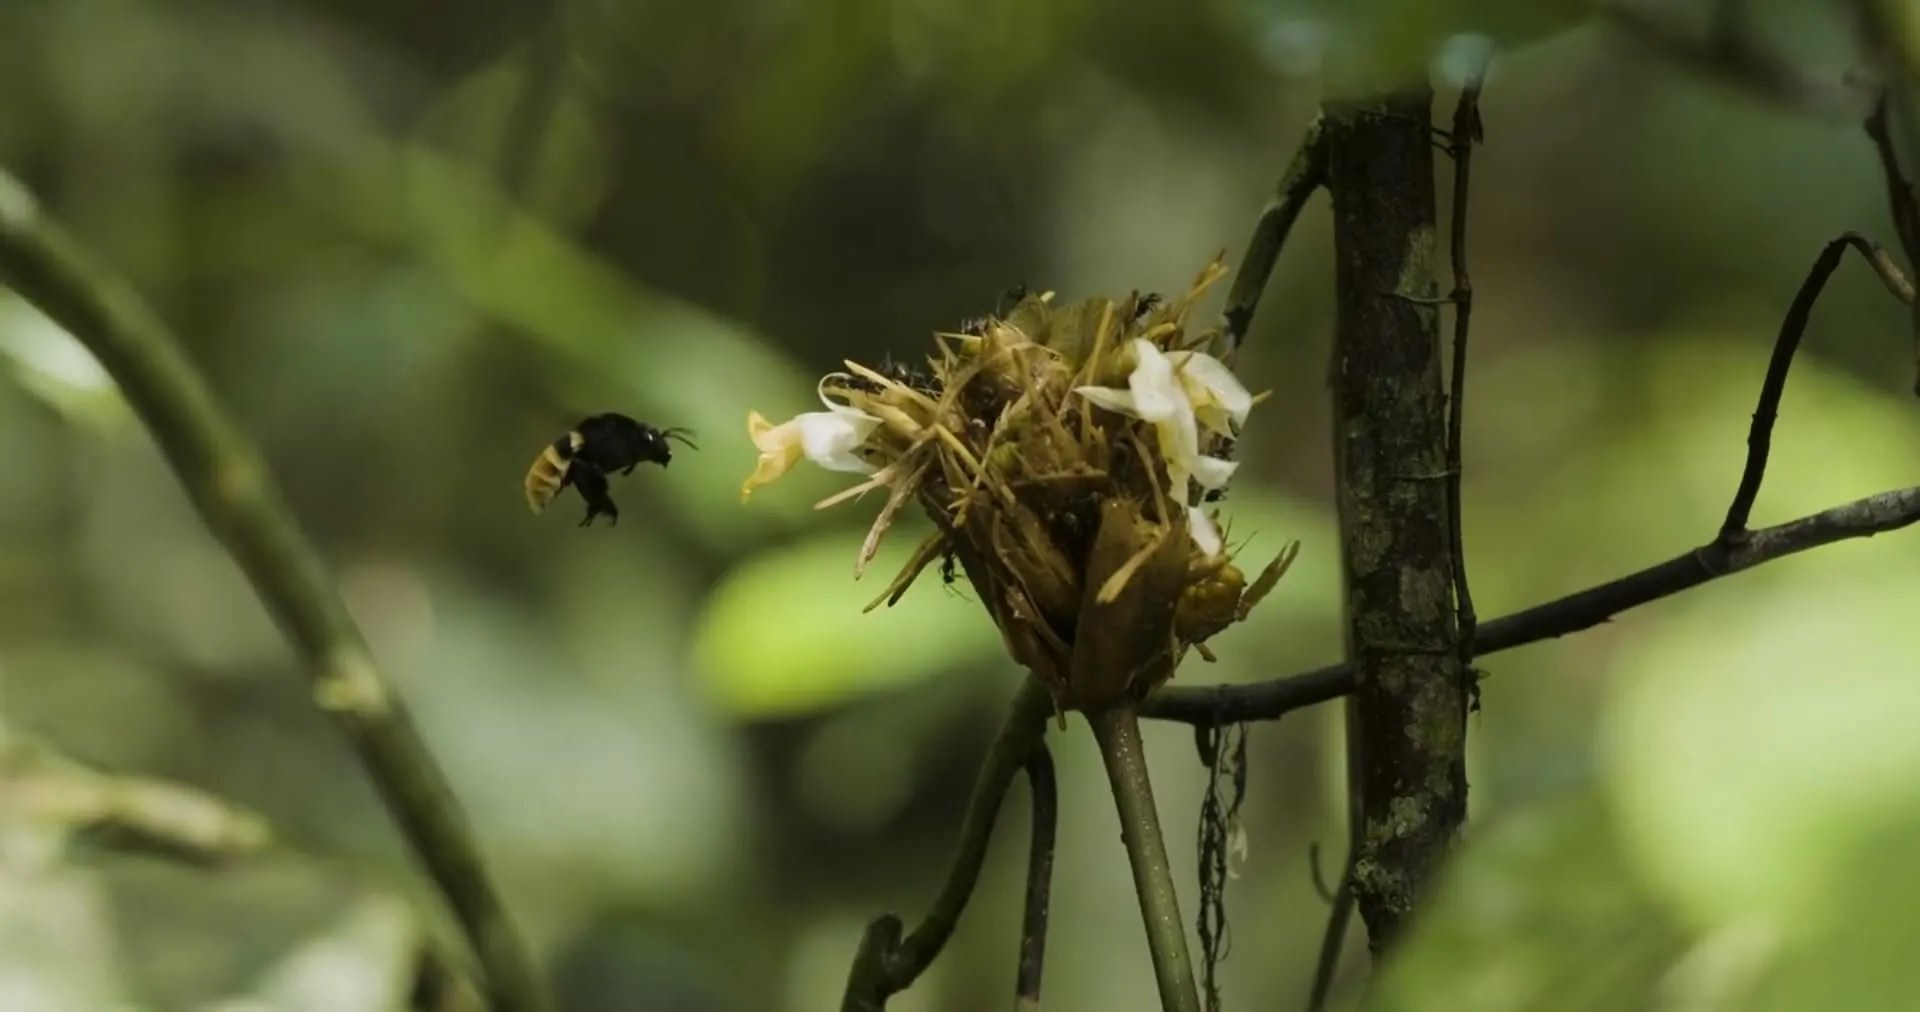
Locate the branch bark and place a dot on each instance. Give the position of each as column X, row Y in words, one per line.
column 1584, row 609
column 1409, row 700
column 1306, row 173
column 236, row 496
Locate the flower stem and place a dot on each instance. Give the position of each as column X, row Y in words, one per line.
column 1118, row 732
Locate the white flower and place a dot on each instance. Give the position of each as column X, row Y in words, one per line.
column 1219, row 399
column 828, row 438
column 1178, row 393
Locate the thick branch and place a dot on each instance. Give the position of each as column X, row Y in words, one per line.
column 1409, row 700
column 237, row 498
column 1306, row 173
column 1269, row 700
column 887, row 963
column 1033, row 920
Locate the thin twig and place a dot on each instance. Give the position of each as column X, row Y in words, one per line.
column 1331, row 938
column 1117, row 731
column 888, row 963
column 1274, row 698
column 1904, row 206
column 1306, row 173
column 1466, row 133
column 1033, row 921
column 1901, row 200
column 1760, row 434
column 238, row 499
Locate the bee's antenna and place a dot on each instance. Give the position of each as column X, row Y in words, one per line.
column 681, row 434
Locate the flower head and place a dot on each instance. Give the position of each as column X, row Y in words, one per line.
column 1057, row 450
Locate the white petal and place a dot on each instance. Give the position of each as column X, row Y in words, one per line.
column 828, row 438
column 1179, row 440
column 1221, row 385
column 1109, row 398
column 1205, row 535
column 1212, row 472
column 820, row 389
column 1157, row 394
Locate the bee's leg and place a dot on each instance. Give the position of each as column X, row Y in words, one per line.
column 593, row 488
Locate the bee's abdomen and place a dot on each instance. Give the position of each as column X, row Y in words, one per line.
column 549, row 470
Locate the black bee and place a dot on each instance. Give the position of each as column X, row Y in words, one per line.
column 590, row 452
column 1147, row 304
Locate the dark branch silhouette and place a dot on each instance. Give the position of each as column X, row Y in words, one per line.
column 1269, row 700
column 890, row 959
column 1033, row 920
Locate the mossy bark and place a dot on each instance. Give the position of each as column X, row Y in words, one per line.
column 1409, row 705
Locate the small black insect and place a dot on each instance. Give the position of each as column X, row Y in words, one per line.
column 1147, row 304
column 590, row 452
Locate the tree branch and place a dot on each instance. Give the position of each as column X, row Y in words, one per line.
column 1760, row 434
column 235, row 495
column 1033, row 921
column 1269, row 700
column 1466, row 133
column 1306, row 173
column 1905, row 208
column 888, row 963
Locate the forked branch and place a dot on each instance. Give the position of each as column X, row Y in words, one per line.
column 890, row 959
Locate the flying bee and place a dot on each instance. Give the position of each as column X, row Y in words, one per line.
column 592, row 451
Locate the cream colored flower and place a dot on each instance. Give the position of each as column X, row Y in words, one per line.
column 828, row 438
column 1177, row 394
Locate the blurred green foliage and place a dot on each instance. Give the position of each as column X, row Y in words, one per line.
column 410, row 243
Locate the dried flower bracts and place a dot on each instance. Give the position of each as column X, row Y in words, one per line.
column 1062, row 454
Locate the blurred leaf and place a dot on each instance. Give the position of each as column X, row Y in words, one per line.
column 784, row 634
column 364, row 960
column 1542, row 909
column 1755, row 738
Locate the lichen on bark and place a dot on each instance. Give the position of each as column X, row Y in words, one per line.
column 1410, row 702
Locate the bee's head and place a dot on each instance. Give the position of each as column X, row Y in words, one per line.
column 659, row 448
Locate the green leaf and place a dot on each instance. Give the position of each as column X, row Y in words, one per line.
column 784, row 633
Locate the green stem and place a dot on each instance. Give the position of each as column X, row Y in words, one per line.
column 1118, row 732
column 237, row 497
